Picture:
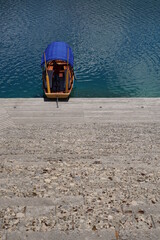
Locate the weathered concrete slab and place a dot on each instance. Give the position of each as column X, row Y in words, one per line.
column 84, row 235
column 26, row 111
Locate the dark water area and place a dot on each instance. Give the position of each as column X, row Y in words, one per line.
column 116, row 44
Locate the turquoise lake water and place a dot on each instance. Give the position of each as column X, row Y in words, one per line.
column 116, row 44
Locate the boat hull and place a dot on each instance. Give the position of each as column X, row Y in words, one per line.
column 61, row 95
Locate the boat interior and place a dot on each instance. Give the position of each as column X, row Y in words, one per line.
column 57, row 72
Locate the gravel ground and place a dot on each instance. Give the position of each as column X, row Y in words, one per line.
column 80, row 181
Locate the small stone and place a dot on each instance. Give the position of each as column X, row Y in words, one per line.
column 54, row 178
column 20, row 215
column 123, row 219
column 110, row 178
column 141, row 211
column 143, row 173
column 134, row 203
column 110, row 218
column 94, row 228
column 16, row 222
column 47, row 180
column 72, row 184
column 46, row 170
column 141, row 219
column 81, row 221
column 97, row 162
column 153, row 200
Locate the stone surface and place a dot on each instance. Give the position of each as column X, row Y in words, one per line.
column 82, row 171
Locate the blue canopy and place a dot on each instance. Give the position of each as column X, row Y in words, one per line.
column 58, row 51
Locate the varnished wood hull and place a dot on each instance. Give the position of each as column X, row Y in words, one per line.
column 61, row 95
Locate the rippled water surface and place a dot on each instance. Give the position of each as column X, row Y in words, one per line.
column 116, row 44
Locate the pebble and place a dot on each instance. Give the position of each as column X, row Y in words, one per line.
column 20, row 215
column 153, row 200
column 47, row 180
column 134, row 203
column 110, row 218
column 72, row 184
column 15, row 222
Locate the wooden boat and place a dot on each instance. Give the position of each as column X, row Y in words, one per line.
column 57, row 70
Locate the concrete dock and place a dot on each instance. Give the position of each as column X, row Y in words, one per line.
column 28, row 111
column 89, row 169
